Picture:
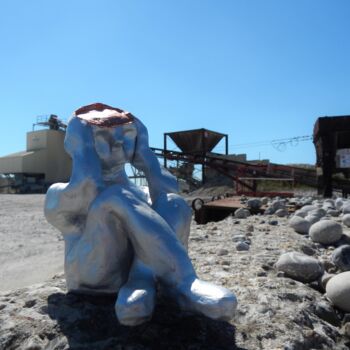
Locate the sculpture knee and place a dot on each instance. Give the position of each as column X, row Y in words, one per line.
column 53, row 208
column 176, row 212
column 66, row 205
column 113, row 200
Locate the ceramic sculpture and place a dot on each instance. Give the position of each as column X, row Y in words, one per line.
column 118, row 240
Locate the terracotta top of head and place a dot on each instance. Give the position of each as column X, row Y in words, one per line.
column 103, row 115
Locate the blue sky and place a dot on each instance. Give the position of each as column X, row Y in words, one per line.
column 254, row 69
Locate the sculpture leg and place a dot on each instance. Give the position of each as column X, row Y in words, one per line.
column 175, row 211
column 153, row 240
column 156, row 245
column 136, row 299
column 98, row 260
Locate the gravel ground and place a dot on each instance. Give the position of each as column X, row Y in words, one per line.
column 31, row 250
column 274, row 312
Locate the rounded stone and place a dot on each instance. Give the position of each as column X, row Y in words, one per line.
column 254, row 203
column 317, row 212
column 333, row 212
column 264, row 200
column 222, row 252
column 300, row 267
column 315, row 215
column 278, row 204
column 250, row 228
column 312, row 218
column 326, row 232
column 328, row 203
column 341, row 257
column 239, row 238
column 327, row 207
column 327, row 313
column 306, row 200
column 325, row 279
column 305, row 210
column 346, row 220
column 269, row 211
column 306, row 249
column 338, row 291
column 241, row 246
column 282, row 213
column 338, row 203
column 242, row 213
column 346, row 208
column 299, row 224
column 300, row 213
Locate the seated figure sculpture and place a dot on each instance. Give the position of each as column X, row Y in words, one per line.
column 118, row 240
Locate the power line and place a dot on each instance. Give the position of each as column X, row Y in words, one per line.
column 279, row 144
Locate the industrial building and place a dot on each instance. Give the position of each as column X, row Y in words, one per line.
column 43, row 163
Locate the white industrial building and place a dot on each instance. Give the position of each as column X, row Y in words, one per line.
column 42, row 163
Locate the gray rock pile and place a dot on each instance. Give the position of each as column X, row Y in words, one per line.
column 329, row 270
column 274, row 206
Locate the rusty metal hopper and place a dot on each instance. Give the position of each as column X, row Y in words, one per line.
column 196, row 141
column 330, row 134
column 328, row 125
column 332, row 143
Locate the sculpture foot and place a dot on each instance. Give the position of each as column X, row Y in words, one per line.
column 135, row 304
column 208, row 299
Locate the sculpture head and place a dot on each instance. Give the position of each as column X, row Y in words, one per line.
column 108, row 132
column 104, row 116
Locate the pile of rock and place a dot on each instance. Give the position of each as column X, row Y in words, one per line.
column 322, row 222
column 324, row 266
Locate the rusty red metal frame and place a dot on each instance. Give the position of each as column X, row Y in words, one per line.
column 242, row 169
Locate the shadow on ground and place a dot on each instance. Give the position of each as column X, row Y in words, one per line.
column 90, row 323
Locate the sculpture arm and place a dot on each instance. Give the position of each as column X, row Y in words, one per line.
column 160, row 181
column 79, row 144
column 66, row 205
